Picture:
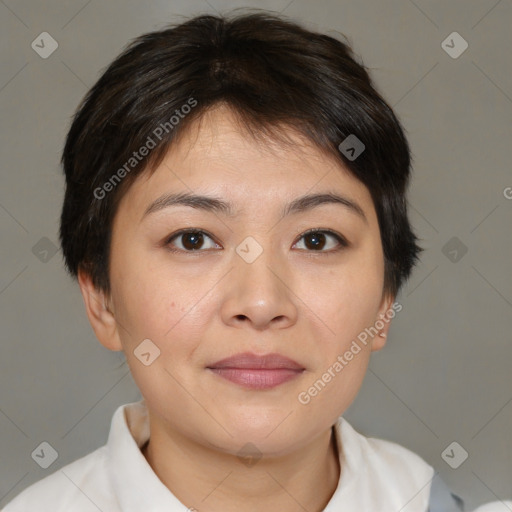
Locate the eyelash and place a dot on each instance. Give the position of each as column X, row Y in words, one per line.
column 339, row 238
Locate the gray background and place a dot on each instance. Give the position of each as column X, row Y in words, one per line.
column 445, row 373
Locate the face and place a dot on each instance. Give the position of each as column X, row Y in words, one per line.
column 248, row 281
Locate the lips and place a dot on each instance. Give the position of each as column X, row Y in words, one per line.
column 257, row 372
column 255, row 362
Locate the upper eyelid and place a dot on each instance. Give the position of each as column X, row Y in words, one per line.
column 189, row 230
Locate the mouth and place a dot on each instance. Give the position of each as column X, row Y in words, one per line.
column 257, row 372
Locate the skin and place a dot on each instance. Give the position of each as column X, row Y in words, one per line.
column 202, row 306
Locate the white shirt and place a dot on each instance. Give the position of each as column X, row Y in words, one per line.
column 376, row 475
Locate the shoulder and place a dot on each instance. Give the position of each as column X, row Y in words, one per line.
column 389, row 465
column 381, row 475
column 385, row 456
column 82, row 485
column 440, row 498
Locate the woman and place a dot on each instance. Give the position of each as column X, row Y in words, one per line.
column 235, row 214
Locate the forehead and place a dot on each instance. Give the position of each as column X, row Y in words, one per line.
column 216, row 155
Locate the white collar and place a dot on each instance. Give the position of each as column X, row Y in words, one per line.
column 375, row 475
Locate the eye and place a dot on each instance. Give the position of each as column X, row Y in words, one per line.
column 315, row 240
column 192, row 240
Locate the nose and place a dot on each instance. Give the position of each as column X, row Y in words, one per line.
column 260, row 294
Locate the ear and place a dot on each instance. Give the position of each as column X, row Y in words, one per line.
column 384, row 317
column 101, row 318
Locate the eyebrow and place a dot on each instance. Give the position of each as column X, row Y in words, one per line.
column 213, row 204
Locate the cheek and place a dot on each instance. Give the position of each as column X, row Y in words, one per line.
column 153, row 302
column 348, row 306
column 331, row 392
column 347, row 300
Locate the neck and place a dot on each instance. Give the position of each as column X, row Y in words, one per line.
column 209, row 481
